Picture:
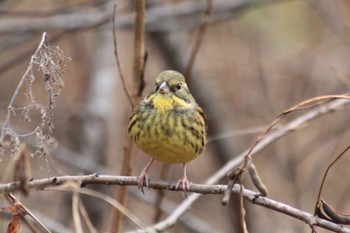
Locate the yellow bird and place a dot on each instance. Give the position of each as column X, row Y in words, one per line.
column 168, row 125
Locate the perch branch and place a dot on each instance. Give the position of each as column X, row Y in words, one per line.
column 272, row 136
column 253, row 197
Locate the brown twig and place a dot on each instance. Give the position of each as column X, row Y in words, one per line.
column 326, row 173
column 310, row 103
column 156, row 21
column 329, row 213
column 87, row 220
column 256, row 180
column 248, row 195
column 181, row 209
column 75, row 211
column 300, row 106
column 71, row 187
column 22, row 56
column 50, row 12
column 117, row 59
column 254, row 198
column 199, row 38
column 121, row 193
column 267, row 140
column 160, row 194
column 139, row 49
column 28, row 212
column 95, row 179
column 142, row 73
column 87, row 165
column 341, row 77
column 138, row 83
column 242, row 210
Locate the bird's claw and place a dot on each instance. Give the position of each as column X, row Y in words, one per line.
column 185, row 185
column 142, row 180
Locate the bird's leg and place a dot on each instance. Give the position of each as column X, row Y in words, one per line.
column 143, row 177
column 185, row 183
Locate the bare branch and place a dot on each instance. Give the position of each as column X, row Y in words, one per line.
column 236, row 174
column 158, row 19
column 75, row 210
column 81, row 6
column 272, row 136
column 327, row 170
column 139, row 50
column 27, row 211
column 341, row 77
column 117, row 60
column 87, row 220
column 137, row 87
column 87, row 165
column 267, row 140
column 105, row 198
column 254, row 198
column 248, row 195
column 199, row 38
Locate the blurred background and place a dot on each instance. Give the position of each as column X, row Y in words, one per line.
column 257, row 59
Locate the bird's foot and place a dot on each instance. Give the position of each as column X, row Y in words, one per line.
column 143, row 180
column 185, row 185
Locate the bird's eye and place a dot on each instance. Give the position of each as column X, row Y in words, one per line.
column 178, row 87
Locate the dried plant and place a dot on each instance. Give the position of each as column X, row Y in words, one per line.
column 47, row 64
column 248, row 58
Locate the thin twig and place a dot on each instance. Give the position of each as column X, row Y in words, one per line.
column 139, row 49
column 75, row 210
column 22, row 56
column 248, row 195
column 102, row 196
column 121, row 192
column 27, row 211
column 235, row 133
column 117, row 59
column 326, row 173
column 86, row 165
column 199, row 38
column 181, row 209
column 272, row 136
column 160, row 194
column 310, row 103
column 137, row 83
column 81, row 6
column 142, row 73
column 267, row 140
column 157, row 19
column 242, row 210
column 42, row 44
column 341, row 77
column 86, row 218
column 254, row 198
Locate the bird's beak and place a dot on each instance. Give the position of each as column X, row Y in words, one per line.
column 164, row 88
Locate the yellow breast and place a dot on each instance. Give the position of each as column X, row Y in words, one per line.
column 169, row 135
